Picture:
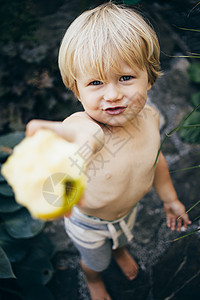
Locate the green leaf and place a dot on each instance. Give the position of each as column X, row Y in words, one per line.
column 2, row 179
column 8, row 204
column 37, row 291
column 14, row 252
column 41, row 241
column 6, row 190
column 186, row 235
column 21, row 225
column 192, row 206
column 189, row 29
column 194, row 72
column 15, row 249
column 191, row 135
column 9, row 141
column 195, row 99
column 180, row 126
column 35, row 268
column 4, row 236
column 5, row 266
column 185, row 169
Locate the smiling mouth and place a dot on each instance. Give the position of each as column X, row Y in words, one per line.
column 117, row 110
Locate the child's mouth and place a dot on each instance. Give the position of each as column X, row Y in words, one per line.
column 117, row 110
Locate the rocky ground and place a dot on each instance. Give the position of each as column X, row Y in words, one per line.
column 168, row 270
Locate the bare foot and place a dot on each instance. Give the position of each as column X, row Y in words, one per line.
column 95, row 284
column 126, row 263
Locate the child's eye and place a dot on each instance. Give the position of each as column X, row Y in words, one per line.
column 95, row 82
column 126, row 77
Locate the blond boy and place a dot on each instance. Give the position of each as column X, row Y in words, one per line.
column 109, row 58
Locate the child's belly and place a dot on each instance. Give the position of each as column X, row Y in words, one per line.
column 111, row 194
column 117, row 182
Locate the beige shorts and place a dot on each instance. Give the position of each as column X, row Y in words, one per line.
column 95, row 238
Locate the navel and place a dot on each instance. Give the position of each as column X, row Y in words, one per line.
column 108, row 176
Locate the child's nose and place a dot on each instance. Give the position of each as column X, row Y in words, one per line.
column 112, row 93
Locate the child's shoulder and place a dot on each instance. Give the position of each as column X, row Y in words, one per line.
column 84, row 123
column 152, row 113
column 81, row 116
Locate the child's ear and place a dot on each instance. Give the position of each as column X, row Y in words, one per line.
column 149, row 86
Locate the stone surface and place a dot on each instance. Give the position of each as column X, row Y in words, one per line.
column 177, row 274
column 168, row 270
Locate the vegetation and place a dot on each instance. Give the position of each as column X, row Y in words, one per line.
column 25, row 251
column 191, row 132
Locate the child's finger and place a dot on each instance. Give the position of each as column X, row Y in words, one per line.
column 173, row 223
column 58, row 127
column 168, row 222
column 185, row 219
column 179, row 224
column 186, row 222
column 35, row 125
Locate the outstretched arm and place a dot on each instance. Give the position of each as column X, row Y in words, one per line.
column 78, row 128
column 174, row 209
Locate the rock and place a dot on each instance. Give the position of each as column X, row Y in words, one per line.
column 9, row 49
column 120, row 288
column 56, row 233
column 168, row 271
column 169, row 147
column 177, row 274
column 173, row 87
column 35, row 55
column 148, row 219
column 187, row 181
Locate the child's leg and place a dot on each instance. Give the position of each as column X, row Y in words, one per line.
column 95, row 284
column 126, row 262
column 95, row 259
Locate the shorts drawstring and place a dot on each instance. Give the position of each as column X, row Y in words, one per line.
column 114, row 234
column 91, row 232
column 126, row 230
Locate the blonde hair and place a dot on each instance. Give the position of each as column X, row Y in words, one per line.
column 99, row 38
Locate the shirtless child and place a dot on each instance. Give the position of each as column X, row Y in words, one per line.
column 109, row 58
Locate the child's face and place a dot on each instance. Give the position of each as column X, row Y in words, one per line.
column 118, row 100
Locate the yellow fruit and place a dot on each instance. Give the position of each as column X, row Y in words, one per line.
column 46, row 174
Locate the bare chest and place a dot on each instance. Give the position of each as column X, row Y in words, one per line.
column 124, row 164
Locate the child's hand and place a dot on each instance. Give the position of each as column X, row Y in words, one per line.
column 176, row 215
column 42, row 175
column 58, row 127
